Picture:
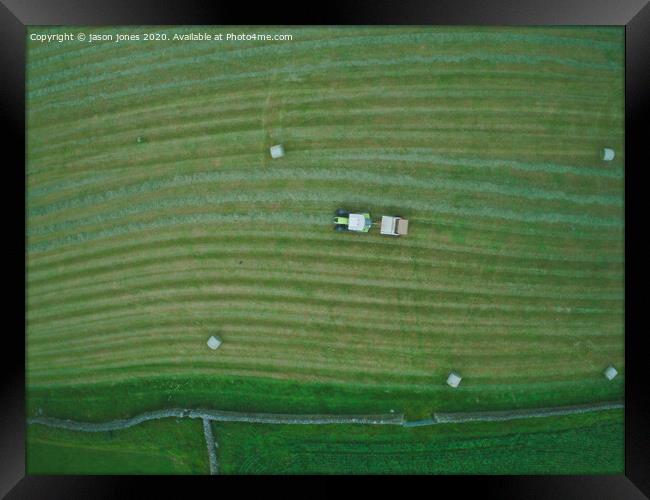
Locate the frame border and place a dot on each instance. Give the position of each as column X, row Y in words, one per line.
column 17, row 15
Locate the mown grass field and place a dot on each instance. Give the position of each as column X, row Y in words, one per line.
column 487, row 139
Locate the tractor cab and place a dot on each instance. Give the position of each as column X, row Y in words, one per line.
column 345, row 221
column 391, row 225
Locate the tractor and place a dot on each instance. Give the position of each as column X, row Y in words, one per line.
column 361, row 223
column 345, row 221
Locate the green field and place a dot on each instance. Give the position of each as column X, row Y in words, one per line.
column 576, row 445
column 169, row 446
column 163, row 447
column 486, row 139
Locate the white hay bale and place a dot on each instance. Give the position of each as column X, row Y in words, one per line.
column 608, row 154
column 453, row 380
column 214, row 343
column 277, row 151
column 610, row 372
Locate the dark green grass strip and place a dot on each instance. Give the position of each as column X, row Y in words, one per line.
column 572, row 444
column 169, row 446
column 575, row 444
column 99, row 402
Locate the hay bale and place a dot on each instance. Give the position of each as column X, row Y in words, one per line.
column 610, row 372
column 277, row 151
column 608, row 154
column 453, row 380
column 214, row 342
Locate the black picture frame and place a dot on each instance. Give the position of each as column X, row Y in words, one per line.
column 16, row 15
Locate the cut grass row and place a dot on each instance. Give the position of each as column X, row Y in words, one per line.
column 120, row 127
column 442, row 125
column 355, row 366
column 300, row 287
column 264, row 190
column 363, row 57
column 207, row 181
column 304, row 210
column 485, row 314
column 443, row 116
column 334, row 293
column 462, row 253
column 252, row 354
column 309, row 221
column 319, row 336
column 478, row 355
column 420, row 166
column 193, row 212
column 201, row 312
column 48, row 55
column 258, row 349
column 269, row 62
column 343, row 321
column 307, row 40
column 126, row 99
column 207, row 253
column 78, row 292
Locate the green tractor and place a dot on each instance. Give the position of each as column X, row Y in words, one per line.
column 361, row 223
column 345, row 221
